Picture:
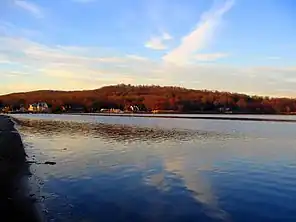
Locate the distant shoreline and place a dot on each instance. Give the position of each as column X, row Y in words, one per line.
column 158, row 99
column 237, row 117
column 168, row 116
column 161, row 113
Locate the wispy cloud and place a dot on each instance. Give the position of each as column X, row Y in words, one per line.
column 68, row 60
column 210, row 57
column 30, row 7
column 136, row 57
column 9, row 29
column 86, row 67
column 200, row 37
column 158, row 43
column 16, row 74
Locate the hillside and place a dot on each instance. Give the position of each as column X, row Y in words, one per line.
column 152, row 97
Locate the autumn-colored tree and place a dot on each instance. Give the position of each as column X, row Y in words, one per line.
column 148, row 98
column 242, row 104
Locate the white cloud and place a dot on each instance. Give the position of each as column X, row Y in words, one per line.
column 26, row 51
column 200, row 37
column 155, row 43
column 70, row 62
column 166, row 36
column 4, row 59
column 158, row 43
column 136, row 57
column 210, row 57
column 86, row 68
column 15, row 74
column 29, row 7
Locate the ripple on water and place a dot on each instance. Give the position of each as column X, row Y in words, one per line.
column 112, row 172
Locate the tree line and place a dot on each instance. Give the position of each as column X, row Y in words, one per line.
column 149, row 98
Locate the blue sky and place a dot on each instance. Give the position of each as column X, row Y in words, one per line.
column 244, row 46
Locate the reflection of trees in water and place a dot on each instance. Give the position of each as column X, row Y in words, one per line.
column 114, row 132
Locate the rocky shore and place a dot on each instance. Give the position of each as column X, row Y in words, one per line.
column 16, row 203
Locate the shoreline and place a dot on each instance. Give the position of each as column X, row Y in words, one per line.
column 160, row 113
column 226, row 117
column 183, row 116
column 17, row 204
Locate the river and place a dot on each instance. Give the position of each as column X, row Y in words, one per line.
column 154, row 169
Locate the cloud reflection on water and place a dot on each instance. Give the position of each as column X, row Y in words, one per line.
column 129, row 155
column 167, row 171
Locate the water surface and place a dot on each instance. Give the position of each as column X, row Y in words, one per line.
column 145, row 169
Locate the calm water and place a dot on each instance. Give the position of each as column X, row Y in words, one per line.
column 145, row 169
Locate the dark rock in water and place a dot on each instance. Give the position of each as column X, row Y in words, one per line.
column 50, row 163
column 35, row 162
column 30, row 161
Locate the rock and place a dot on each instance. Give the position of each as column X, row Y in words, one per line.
column 50, row 163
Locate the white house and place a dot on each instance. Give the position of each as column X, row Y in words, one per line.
column 134, row 108
column 38, row 107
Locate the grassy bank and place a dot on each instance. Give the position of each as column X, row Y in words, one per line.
column 15, row 201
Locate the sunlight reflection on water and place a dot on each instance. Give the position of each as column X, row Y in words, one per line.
column 162, row 171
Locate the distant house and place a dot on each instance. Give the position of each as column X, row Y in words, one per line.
column 104, row 110
column 6, row 109
column 134, row 108
column 41, row 107
column 225, row 110
column 111, row 111
column 131, row 109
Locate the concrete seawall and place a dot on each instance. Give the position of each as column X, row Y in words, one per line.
column 15, row 201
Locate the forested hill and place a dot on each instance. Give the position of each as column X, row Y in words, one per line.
column 153, row 97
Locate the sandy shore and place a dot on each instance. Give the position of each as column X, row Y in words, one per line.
column 16, row 203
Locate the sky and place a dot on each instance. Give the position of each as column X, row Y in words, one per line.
column 246, row 46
